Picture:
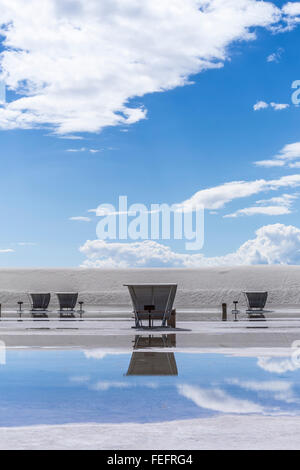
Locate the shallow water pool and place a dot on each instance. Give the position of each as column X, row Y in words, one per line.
column 71, row 386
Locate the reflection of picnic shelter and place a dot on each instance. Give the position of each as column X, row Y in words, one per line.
column 152, row 362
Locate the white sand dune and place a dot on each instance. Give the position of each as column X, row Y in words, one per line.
column 222, row 432
column 196, row 287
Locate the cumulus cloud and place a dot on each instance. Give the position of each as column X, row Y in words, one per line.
column 218, row 400
column 86, row 60
column 292, row 11
column 292, row 8
column 274, row 206
column 273, row 244
column 291, row 17
column 285, row 157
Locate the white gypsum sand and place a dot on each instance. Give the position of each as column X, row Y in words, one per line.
column 237, row 432
column 206, row 287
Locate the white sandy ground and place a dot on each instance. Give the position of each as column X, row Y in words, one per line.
column 223, row 432
column 116, row 334
column 197, row 288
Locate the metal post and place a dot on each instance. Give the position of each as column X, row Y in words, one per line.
column 224, row 312
column 20, row 310
column 0, row 311
column 235, row 311
column 149, row 309
column 80, row 310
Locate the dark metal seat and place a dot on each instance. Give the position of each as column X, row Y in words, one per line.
column 67, row 303
column 39, row 304
column 256, row 302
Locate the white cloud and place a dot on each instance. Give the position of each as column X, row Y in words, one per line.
column 218, row 400
column 106, row 385
column 273, row 244
column 286, row 156
column 107, row 209
column 80, row 219
column 86, row 60
column 291, row 9
column 275, row 56
column 100, row 354
column 281, row 390
column 277, row 366
column 95, row 354
column 291, row 18
column 267, row 386
column 270, row 163
column 83, row 149
column 284, row 199
column 218, row 196
column 257, row 210
column 274, row 206
column 7, row 250
column 147, row 253
column 70, row 137
column 80, row 379
column 279, row 106
column 260, row 105
column 263, row 105
column 290, row 152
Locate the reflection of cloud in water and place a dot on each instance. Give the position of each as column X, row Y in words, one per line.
column 281, row 390
column 269, row 386
column 80, row 379
column 277, row 365
column 102, row 353
column 218, row 400
column 106, row 385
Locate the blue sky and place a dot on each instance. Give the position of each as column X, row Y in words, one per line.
column 188, row 137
